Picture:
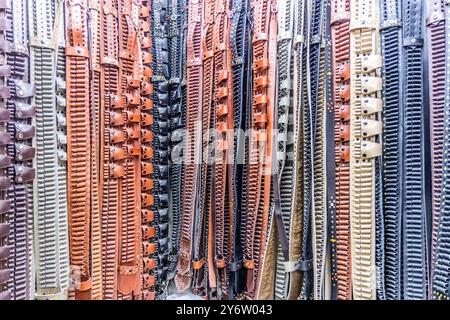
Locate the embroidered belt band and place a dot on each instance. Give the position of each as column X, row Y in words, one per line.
column 224, row 149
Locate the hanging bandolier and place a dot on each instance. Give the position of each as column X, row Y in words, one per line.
column 240, row 47
column 177, row 122
column 290, row 17
column 148, row 181
column 130, row 233
column 405, row 225
column 48, row 73
column 192, row 146
column 114, row 136
column 340, row 24
column 16, row 182
column 365, row 145
column 258, row 216
column 160, row 97
column 441, row 274
column 82, row 192
column 223, row 119
column 435, row 23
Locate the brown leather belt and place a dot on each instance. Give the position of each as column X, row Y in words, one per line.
column 436, row 50
column 130, row 197
column 192, row 148
column 224, row 122
column 148, row 277
column 112, row 169
column 259, row 178
column 79, row 147
column 340, row 23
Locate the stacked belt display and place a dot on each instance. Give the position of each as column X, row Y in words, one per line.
column 365, row 144
column 192, row 147
column 290, row 16
column 260, row 148
column 177, row 118
column 160, row 96
column 436, row 51
column 20, row 130
column 148, row 181
column 340, row 24
column 50, row 205
column 441, row 273
column 240, row 47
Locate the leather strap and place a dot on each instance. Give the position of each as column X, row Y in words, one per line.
column 21, row 173
column 441, row 274
column 436, row 50
column 340, row 23
column 192, row 148
column 365, row 146
column 47, row 65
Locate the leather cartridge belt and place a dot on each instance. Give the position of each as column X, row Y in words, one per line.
column 286, row 215
column 436, row 50
column 192, row 147
column 223, row 119
column 177, row 107
column 441, row 274
column 20, row 173
column 149, row 183
column 405, row 251
column 313, row 143
column 78, row 147
column 96, row 134
column 365, row 144
column 160, row 111
column 112, row 171
column 259, row 175
column 47, row 57
column 203, row 262
column 340, row 23
column 415, row 257
column 240, row 50
column 130, row 233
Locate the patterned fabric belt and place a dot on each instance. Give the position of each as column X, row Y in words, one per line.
column 441, row 274
column 365, row 145
column 437, row 71
column 17, row 195
column 50, row 205
column 340, row 24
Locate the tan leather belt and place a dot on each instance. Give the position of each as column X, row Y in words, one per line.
column 149, row 254
column 130, row 197
column 340, row 23
column 192, row 148
column 259, row 178
column 223, row 120
column 79, row 147
column 365, row 142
